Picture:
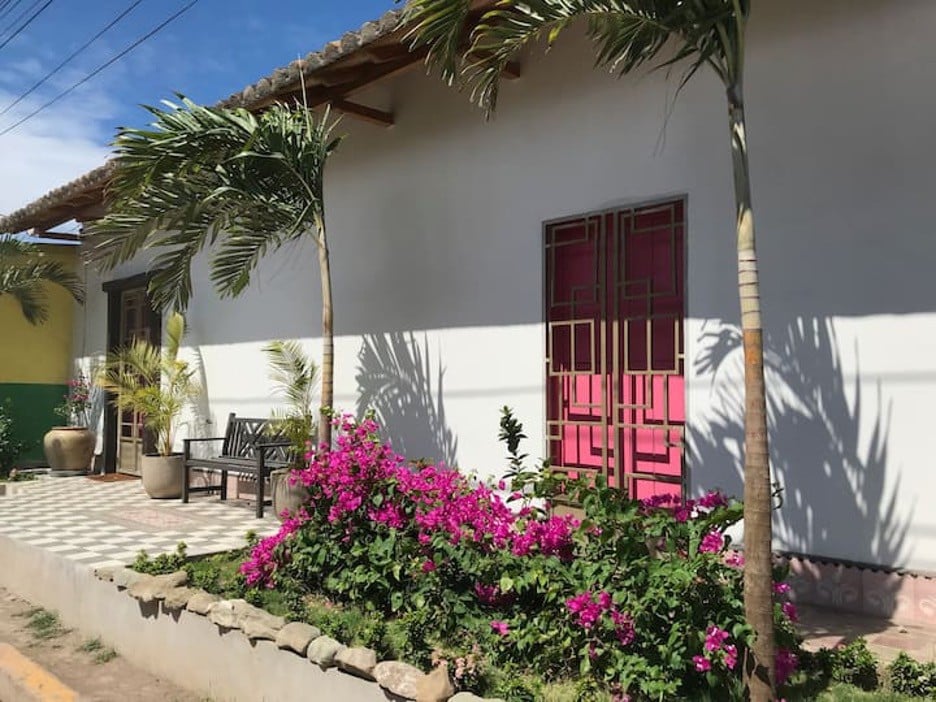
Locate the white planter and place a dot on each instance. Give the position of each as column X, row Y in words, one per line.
column 163, row 476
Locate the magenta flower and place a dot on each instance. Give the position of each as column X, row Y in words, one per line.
column 702, row 664
column 715, row 638
column 734, row 559
column 731, row 656
column 500, row 627
column 428, row 566
column 713, row 542
column 781, row 589
column 786, row 664
column 789, row 609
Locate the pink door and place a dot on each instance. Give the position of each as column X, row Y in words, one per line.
column 615, row 390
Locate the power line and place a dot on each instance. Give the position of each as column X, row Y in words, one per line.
column 27, row 22
column 100, row 68
column 84, row 46
column 6, row 8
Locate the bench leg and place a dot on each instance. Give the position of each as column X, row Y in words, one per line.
column 185, row 475
column 261, row 478
column 224, row 474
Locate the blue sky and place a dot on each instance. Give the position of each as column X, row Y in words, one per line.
column 214, row 49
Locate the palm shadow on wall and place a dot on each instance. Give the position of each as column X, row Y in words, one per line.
column 830, row 457
column 396, row 380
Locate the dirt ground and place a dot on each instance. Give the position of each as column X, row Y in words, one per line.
column 91, row 668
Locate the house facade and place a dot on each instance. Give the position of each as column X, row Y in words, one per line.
column 574, row 259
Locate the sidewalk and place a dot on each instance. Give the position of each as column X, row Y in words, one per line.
column 823, row 628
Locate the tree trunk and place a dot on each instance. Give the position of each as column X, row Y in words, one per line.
column 758, row 561
column 328, row 343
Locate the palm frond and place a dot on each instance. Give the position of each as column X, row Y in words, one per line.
column 293, row 373
column 24, row 274
column 627, row 34
column 226, row 181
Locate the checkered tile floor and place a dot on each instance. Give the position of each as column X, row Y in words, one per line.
column 107, row 524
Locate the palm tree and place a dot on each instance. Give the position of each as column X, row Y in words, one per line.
column 237, row 184
column 627, row 35
column 24, row 273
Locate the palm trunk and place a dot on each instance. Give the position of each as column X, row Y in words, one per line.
column 758, row 566
column 328, row 343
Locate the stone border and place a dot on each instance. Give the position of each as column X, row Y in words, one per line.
column 169, row 595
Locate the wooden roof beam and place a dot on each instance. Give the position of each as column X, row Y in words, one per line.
column 363, row 112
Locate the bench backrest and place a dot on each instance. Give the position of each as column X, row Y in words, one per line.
column 244, row 433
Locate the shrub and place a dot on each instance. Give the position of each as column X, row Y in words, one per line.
column 639, row 599
column 910, row 677
column 10, row 446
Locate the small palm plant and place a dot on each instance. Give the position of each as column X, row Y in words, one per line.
column 153, row 382
column 24, row 274
column 295, row 378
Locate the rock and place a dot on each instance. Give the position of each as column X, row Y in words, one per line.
column 105, row 574
column 357, row 661
column 202, row 602
column 323, row 650
column 296, row 636
column 154, row 587
column 125, row 577
column 436, row 686
column 223, row 613
column 398, row 678
column 239, row 614
column 257, row 623
column 178, row 597
column 469, row 697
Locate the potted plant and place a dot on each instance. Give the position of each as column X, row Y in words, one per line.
column 157, row 385
column 295, row 377
column 69, row 449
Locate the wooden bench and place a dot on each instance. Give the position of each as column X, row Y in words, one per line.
column 249, row 446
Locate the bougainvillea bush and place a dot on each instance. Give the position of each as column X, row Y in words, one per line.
column 635, row 599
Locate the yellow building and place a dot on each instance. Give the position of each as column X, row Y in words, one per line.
column 36, row 360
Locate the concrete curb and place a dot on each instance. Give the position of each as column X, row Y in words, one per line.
column 24, row 680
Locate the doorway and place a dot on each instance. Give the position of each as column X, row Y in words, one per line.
column 130, row 318
column 615, row 377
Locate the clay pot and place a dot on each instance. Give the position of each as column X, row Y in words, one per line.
column 162, row 476
column 286, row 497
column 69, row 450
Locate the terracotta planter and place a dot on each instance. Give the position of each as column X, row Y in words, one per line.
column 286, row 497
column 69, row 450
column 163, row 475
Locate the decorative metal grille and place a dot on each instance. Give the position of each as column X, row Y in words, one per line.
column 615, row 399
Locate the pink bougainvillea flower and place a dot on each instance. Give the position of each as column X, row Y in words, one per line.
column 500, row 627
column 713, row 542
column 702, row 664
column 428, row 566
column 789, row 609
column 781, row 588
column 715, row 638
column 734, row 559
column 786, row 664
column 731, row 656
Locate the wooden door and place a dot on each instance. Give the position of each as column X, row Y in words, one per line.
column 131, row 317
column 615, row 382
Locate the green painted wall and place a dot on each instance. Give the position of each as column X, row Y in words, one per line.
column 32, row 406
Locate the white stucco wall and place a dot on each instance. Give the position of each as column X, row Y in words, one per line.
column 436, row 233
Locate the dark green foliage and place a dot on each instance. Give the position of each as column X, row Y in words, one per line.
column 910, row 677
column 163, row 563
column 10, row 446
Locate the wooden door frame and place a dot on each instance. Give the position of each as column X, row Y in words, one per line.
column 114, row 289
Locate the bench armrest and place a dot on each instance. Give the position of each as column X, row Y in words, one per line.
column 209, row 438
